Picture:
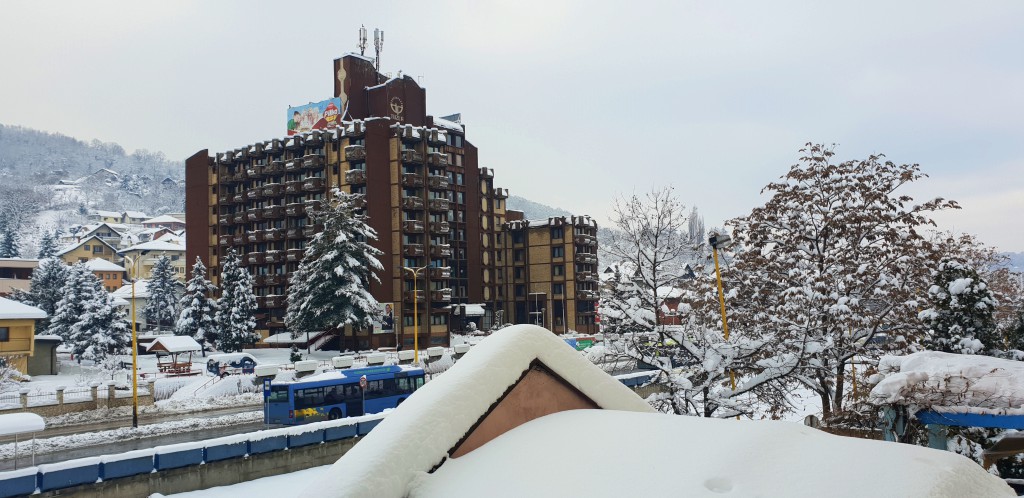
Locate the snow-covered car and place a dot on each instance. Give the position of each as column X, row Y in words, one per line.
column 225, row 364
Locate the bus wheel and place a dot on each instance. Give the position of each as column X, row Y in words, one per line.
column 334, row 415
column 223, row 375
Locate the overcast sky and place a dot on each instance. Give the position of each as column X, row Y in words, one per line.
column 572, row 103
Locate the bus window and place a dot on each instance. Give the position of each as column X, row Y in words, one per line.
column 419, row 382
column 278, row 394
column 403, row 385
column 308, row 398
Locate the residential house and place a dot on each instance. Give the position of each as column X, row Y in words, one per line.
column 16, row 274
column 135, row 300
column 89, row 248
column 17, row 332
column 111, row 274
column 164, row 221
column 146, row 254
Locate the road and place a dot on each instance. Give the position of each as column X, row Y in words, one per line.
column 25, row 460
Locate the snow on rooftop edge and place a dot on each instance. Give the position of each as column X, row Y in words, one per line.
column 13, row 310
column 384, row 463
column 951, row 382
column 673, row 455
column 20, row 423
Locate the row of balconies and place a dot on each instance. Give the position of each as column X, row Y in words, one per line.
column 436, row 251
column 444, row 295
column 416, row 204
column 586, row 240
column 583, row 257
column 416, row 226
column 270, row 280
column 586, row 276
column 410, row 134
column 271, row 301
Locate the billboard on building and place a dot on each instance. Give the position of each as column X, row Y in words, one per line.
column 385, row 322
column 315, row 116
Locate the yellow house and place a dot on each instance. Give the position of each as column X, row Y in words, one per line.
column 91, row 247
column 17, row 332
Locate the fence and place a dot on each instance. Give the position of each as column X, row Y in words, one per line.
column 63, row 400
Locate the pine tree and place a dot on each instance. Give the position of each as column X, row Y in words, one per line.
column 960, row 318
column 236, row 308
column 102, row 329
column 331, row 286
column 77, row 290
column 162, row 304
column 10, row 246
column 197, row 309
column 47, row 245
column 46, row 289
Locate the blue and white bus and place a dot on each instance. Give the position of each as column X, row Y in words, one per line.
column 337, row 394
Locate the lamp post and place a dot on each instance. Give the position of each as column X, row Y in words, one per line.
column 720, row 242
column 415, row 311
column 133, row 273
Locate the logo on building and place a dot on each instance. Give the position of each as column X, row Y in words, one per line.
column 397, row 107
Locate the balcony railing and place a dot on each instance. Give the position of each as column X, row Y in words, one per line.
column 295, row 209
column 312, row 230
column 272, row 301
column 355, row 153
column 439, row 273
column 254, row 171
column 238, row 239
column 273, row 212
column 273, row 190
column 418, row 295
column 584, row 257
column 443, row 295
column 440, row 227
column 274, row 257
column 412, row 203
column 441, row 251
column 224, row 198
column 294, row 233
column 413, row 250
column 412, row 180
column 294, row 255
column 254, row 214
column 273, row 234
column 355, row 176
column 412, row 226
column 275, row 280
column 254, row 258
column 238, row 198
column 438, row 182
column 586, row 240
column 586, row 294
column 313, row 184
column 586, row 276
column 313, row 205
column 293, row 165
column 439, row 204
column 438, row 159
column 224, row 240
column 274, row 168
column 254, row 237
column 313, row 162
column 411, row 156
column 224, row 219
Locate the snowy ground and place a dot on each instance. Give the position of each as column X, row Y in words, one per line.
column 267, row 487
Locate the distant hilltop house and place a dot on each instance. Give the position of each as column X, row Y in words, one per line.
column 88, row 248
column 102, row 175
column 165, row 221
column 125, row 217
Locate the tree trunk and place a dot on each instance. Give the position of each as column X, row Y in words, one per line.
column 826, row 401
column 837, row 400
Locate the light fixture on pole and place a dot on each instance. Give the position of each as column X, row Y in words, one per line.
column 133, row 274
column 721, row 241
column 415, row 311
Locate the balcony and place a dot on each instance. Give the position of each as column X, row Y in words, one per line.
column 586, row 240
column 238, row 198
column 274, row 168
column 293, row 165
column 224, row 219
column 315, row 138
column 295, row 209
column 224, row 198
column 273, row 190
column 224, row 240
column 438, row 182
column 438, row 204
column 254, row 237
column 227, row 178
column 238, row 218
column 254, row 214
column 254, row 258
column 294, row 233
column 274, row 257
column 439, row 273
column 486, row 172
column 412, row 226
column 312, row 230
column 355, row 153
column 411, row 296
column 412, row 180
column 584, row 257
column 441, row 251
column 586, row 276
column 586, row 294
column 313, row 205
column 413, row 250
column 415, row 203
column 238, row 239
column 293, row 186
column 443, row 295
column 411, row 156
column 313, row 184
column 440, row 227
column 238, row 177
column 313, row 162
column 355, row 177
column 271, row 301
column 254, row 171
column 501, row 193
column 273, row 234
column 278, row 279
column 273, row 212
column 253, row 194
column 294, row 143
column 437, row 159
column 359, row 202
column 295, row 255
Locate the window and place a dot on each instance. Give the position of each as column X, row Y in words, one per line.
column 558, row 270
column 559, row 289
column 518, row 255
column 557, row 252
column 86, row 247
column 97, row 249
column 5, row 334
column 520, row 290
column 438, row 319
column 557, row 233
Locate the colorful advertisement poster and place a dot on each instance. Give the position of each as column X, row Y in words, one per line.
column 315, row 116
column 385, row 323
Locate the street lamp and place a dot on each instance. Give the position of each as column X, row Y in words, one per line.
column 721, row 242
column 415, row 310
column 133, row 273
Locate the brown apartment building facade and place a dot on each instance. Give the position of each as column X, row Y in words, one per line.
column 425, row 194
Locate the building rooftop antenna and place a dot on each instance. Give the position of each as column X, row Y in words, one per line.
column 362, row 40
column 378, row 44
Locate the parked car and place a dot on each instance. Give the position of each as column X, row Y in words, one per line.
column 225, row 364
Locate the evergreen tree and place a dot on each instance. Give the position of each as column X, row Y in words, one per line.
column 197, row 309
column 47, row 246
column 46, row 289
column 162, row 305
column 236, row 308
column 331, row 286
column 960, row 317
column 102, row 329
column 77, row 290
column 1015, row 335
column 10, row 246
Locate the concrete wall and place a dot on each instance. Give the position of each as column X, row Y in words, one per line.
column 222, row 473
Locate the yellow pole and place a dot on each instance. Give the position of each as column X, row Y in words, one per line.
column 415, row 317
column 721, row 304
column 135, row 355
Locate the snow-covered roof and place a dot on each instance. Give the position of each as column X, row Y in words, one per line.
column 107, row 214
column 125, row 292
column 174, row 344
column 953, row 383
column 20, row 423
column 648, row 454
column 75, row 245
column 162, row 219
column 97, row 264
column 13, row 310
column 386, row 461
column 136, row 214
column 156, row 245
column 450, row 125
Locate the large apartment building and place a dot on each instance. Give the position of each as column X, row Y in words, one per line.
column 431, row 204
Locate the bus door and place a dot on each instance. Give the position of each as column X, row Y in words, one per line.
column 353, row 401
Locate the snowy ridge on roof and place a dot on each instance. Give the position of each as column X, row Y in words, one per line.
column 125, row 291
column 13, row 310
column 176, row 343
column 949, row 382
column 20, row 423
column 444, row 123
column 164, row 218
column 97, row 264
column 535, row 460
column 384, row 463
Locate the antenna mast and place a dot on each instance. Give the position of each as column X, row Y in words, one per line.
column 362, row 40
column 378, row 44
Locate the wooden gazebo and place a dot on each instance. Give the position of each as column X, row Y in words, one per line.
column 170, row 351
